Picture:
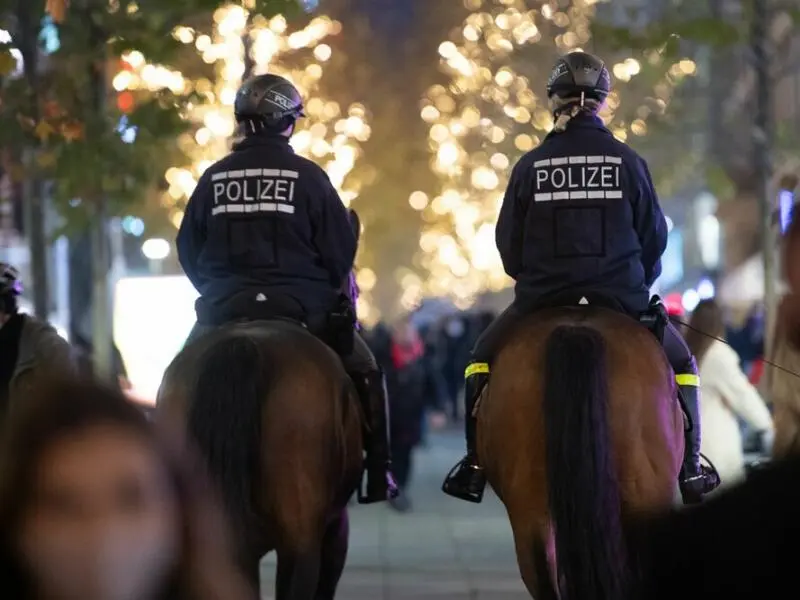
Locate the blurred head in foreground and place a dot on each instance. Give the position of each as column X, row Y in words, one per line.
column 94, row 507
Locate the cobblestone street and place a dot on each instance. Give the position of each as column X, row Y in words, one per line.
column 445, row 549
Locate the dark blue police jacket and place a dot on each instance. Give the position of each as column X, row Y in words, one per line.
column 265, row 219
column 580, row 213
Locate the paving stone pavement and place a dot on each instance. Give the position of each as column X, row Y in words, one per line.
column 445, row 549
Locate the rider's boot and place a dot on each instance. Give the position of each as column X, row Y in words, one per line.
column 380, row 485
column 696, row 479
column 467, row 480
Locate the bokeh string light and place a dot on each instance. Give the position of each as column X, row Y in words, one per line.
column 330, row 134
column 492, row 111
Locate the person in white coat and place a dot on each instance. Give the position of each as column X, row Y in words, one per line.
column 727, row 394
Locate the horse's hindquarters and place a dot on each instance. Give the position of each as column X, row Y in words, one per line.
column 272, row 412
column 642, row 418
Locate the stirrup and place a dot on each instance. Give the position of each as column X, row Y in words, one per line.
column 366, row 492
column 709, row 473
column 461, row 466
column 707, row 479
column 465, row 481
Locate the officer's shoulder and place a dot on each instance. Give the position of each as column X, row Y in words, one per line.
column 625, row 152
column 223, row 164
column 531, row 156
column 308, row 167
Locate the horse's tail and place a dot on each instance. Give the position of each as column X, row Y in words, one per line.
column 225, row 422
column 583, row 490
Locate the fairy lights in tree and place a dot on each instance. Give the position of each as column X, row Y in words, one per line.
column 492, row 111
column 331, row 134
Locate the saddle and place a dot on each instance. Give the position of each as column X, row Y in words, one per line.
column 334, row 328
column 654, row 319
column 251, row 305
column 578, row 299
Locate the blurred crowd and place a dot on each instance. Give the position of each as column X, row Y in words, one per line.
column 423, row 360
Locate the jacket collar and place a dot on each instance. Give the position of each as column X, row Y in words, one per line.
column 263, row 140
column 582, row 122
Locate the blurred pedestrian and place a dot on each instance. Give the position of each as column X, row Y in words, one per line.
column 407, row 405
column 435, row 389
column 727, row 394
column 85, row 358
column 457, row 346
column 379, row 339
column 94, row 507
column 746, row 336
column 29, row 348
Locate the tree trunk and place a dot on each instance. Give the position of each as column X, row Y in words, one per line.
column 102, row 328
column 33, row 202
column 80, row 285
column 763, row 138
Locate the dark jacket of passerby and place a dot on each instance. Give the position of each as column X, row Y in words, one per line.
column 406, row 383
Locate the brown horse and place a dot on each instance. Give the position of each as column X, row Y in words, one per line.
column 579, row 429
column 276, row 418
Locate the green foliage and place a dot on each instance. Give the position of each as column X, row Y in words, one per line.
column 719, row 182
column 685, row 27
column 148, row 28
column 692, row 21
column 667, row 34
column 66, row 111
column 686, row 22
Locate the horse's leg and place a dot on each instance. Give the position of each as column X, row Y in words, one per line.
column 543, row 567
column 535, row 566
column 531, row 542
column 283, row 575
column 334, row 556
column 297, row 574
column 527, row 544
column 251, row 569
column 526, row 555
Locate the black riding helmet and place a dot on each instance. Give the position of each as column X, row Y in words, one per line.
column 10, row 288
column 268, row 102
column 579, row 75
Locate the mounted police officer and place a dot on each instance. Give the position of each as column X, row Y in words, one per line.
column 266, row 235
column 581, row 214
column 29, row 348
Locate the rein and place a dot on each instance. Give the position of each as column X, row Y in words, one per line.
column 714, row 337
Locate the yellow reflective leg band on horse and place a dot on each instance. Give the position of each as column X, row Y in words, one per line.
column 475, row 368
column 688, row 379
